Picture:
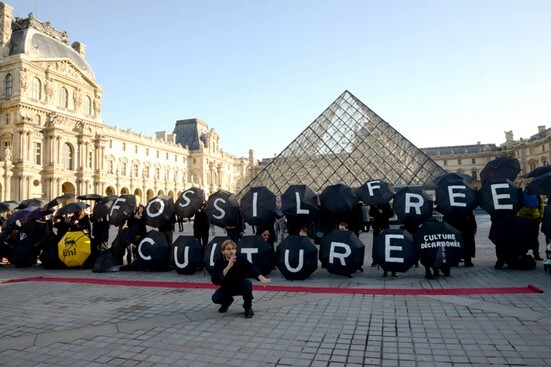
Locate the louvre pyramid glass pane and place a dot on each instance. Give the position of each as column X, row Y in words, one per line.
column 348, row 143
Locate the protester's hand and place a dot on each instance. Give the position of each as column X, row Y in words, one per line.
column 263, row 280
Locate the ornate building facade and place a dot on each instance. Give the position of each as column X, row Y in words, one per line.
column 532, row 152
column 53, row 139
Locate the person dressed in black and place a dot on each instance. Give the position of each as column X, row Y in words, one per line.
column 467, row 225
column 381, row 215
column 201, row 226
column 230, row 272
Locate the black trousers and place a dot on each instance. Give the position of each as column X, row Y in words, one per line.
column 224, row 294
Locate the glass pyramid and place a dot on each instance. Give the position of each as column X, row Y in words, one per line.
column 348, row 143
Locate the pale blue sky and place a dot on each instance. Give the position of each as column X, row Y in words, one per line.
column 259, row 72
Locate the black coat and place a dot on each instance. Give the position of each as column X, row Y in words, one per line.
column 242, row 268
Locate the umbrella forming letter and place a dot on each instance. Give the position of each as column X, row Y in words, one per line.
column 299, row 209
column 186, row 199
column 145, row 240
column 415, row 201
column 186, row 257
column 389, row 248
column 453, row 195
column 161, row 208
column 339, row 255
column 249, row 252
column 300, row 261
column 496, row 196
column 115, row 206
column 372, row 185
column 222, row 211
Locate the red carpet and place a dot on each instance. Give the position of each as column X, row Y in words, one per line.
column 294, row 289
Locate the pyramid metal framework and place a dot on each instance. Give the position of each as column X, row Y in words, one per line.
column 348, row 143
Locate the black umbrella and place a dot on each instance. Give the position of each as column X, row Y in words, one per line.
column 93, row 197
column 103, row 207
column 258, row 251
column 440, row 244
column 222, row 209
column 455, row 197
column 212, row 252
column 25, row 247
column 258, row 206
column 21, row 215
column 8, row 206
column 538, row 171
column 376, row 192
column 341, row 252
column 72, row 208
column 187, row 255
column 297, row 257
column 540, row 185
column 122, row 208
column 40, row 213
column 394, row 250
column 159, row 210
column 106, row 261
column 299, row 200
column 153, row 252
column 412, row 206
column 189, row 202
column 59, row 200
column 452, row 176
column 338, row 199
column 31, row 203
column 501, row 195
column 501, row 167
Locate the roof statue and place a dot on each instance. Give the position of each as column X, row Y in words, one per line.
column 348, row 143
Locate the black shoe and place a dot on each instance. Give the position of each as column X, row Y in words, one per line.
column 224, row 307
column 385, row 274
column 446, row 272
column 249, row 313
column 436, row 272
column 394, row 274
column 468, row 264
column 498, row 265
column 373, row 264
column 429, row 276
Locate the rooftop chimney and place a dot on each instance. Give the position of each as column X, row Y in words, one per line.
column 80, row 48
column 541, row 128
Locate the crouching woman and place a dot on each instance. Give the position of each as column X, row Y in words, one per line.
column 230, row 272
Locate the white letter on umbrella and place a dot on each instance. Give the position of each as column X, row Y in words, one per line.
column 496, row 196
column 454, row 195
column 161, row 208
column 417, row 204
column 222, row 211
column 255, row 203
column 300, row 261
column 249, row 252
column 186, row 257
column 336, row 255
column 115, row 206
column 299, row 209
column 371, row 185
column 389, row 247
column 186, row 198
column 148, row 240
column 212, row 252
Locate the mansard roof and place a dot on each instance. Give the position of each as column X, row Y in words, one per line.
column 40, row 41
column 460, row 149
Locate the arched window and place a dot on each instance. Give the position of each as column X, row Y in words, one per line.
column 37, row 120
column 37, row 88
column 67, row 156
column 9, row 85
column 63, row 97
column 87, row 105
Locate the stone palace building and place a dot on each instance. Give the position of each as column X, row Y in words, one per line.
column 53, row 139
